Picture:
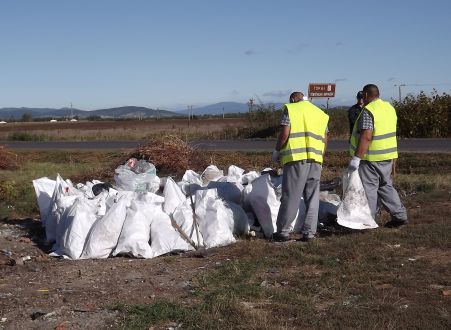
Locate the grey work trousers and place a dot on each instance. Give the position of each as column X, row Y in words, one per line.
column 377, row 182
column 300, row 179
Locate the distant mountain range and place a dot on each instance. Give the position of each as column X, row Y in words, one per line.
column 120, row 112
column 222, row 107
column 125, row 112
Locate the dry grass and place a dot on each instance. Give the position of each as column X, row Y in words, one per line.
column 214, row 128
column 171, row 156
column 8, row 160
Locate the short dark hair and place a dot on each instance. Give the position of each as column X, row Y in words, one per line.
column 372, row 90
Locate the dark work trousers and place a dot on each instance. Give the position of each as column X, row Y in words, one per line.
column 377, row 182
column 300, row 179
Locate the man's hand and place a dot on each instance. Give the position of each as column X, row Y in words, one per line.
column 275, row 156
column 354, row 164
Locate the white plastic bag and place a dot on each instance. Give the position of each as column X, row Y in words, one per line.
column 261, row 197
column 63, row 197
column 163, row 237
column 75, row 228
column 214, row 219
column 104, row 234
column 135, row 234
column 240, row 223
column 44, row 188
column 354, row 211
column 183, row 217
column 127, row 179
column 173, row 196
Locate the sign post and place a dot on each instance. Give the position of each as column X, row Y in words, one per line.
column 316, row 90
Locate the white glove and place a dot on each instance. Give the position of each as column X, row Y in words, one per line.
column 354, row 164
column 275, row 156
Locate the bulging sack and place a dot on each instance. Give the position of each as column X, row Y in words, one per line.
column 354, row 211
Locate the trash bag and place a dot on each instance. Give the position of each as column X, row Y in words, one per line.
column 135, row 233
column 44, row 188
column 105, row 232
column 75, row 228
column 354, row 211
column 173, row 196
column 183, row 217
column 163, row 236
column 214, row 219
column 261, row 198
column 137, row 176
column 63, row 197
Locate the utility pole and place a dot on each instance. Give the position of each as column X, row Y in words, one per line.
column 223, row 113
column 250, row 104
column 71, row 111
column 399, row 90
column 190, row 110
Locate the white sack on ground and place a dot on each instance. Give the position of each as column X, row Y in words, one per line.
column 163, row 237
column 261, row 197
column 234, row 174
column 214, row 220
column 227, row 191
column 44, row 188
column 63, row 197
column 135, row 234
column 192, row 177
column 240, row 220
column 104, row 234
column 328, row 206
column 75, row 227
column 173, row 196
column 183, row 217
column 211, row 173
column 354, row 211
column 127, row 179
column 98, row 210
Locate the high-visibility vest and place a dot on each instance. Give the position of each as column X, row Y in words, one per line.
column 308, row 125
column 383, row 146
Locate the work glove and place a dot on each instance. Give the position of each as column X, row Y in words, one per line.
column 354, row 164
column 275, row 156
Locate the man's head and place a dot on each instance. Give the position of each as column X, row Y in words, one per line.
column 296, row 97
column 370, row 93
column 359, row 97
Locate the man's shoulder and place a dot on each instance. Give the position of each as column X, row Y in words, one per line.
column 355, row 107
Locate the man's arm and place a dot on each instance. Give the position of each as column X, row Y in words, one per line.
column 366, row 136
column 326, row 136
column 283, row 137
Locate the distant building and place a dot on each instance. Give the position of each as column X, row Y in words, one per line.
column 2, row 122
column 53, row 120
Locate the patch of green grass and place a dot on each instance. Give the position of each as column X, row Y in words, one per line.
column 17, row 196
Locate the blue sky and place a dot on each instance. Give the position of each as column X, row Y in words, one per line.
column 168, row 54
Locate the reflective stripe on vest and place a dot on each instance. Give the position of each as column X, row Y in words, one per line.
column 383, row 145
column 308, row 125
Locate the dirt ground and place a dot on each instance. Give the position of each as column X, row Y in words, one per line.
column 48, row 293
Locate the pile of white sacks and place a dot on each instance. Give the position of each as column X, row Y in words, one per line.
column 156, row 215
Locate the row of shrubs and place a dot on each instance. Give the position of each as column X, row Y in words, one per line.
column 424, row 116
column 420, row 116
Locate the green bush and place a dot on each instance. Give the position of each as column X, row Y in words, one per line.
column 424, row 116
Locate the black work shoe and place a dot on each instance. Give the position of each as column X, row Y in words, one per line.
column 306, row 238
column 277, row 237
column 395, row 224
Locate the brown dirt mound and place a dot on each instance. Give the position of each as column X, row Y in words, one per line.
column 171, row 156
column 8, row 160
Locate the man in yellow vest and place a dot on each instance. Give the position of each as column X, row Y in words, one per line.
column 300, row 148
column 373, row 148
